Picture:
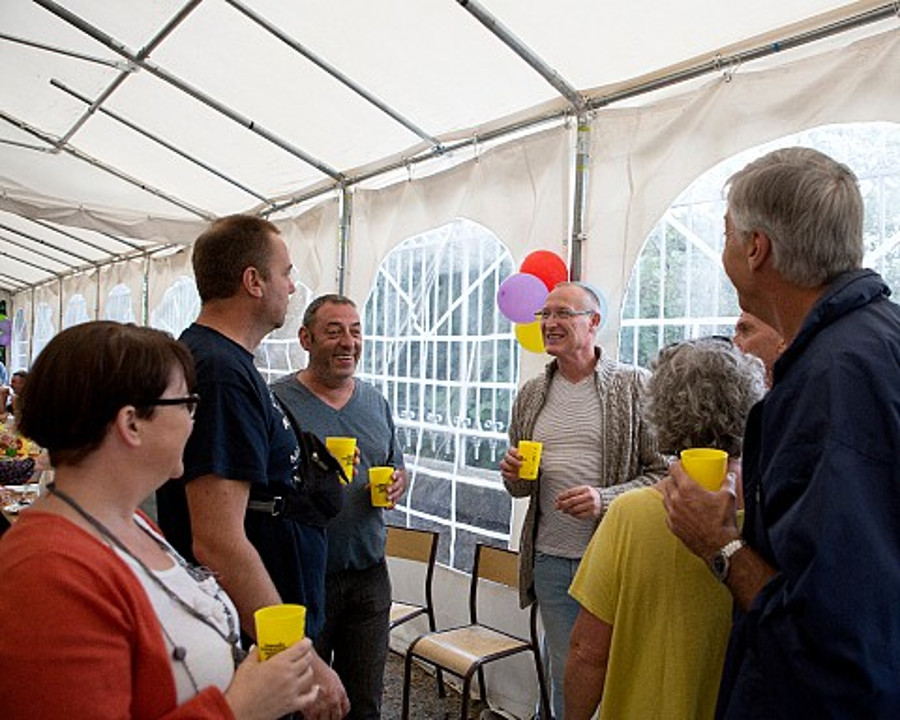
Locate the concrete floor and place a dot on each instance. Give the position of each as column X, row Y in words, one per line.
column 425, row 704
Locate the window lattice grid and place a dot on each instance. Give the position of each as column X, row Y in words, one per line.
column 118, row 305
column 445, row 358
column 178, row 307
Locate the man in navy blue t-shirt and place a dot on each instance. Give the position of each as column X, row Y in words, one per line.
column 242, row 450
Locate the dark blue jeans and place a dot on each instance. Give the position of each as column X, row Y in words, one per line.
column 355, row 637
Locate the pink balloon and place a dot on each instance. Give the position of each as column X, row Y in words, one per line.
column 520, row 296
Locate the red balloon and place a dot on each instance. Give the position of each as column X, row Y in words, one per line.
column 546, row 265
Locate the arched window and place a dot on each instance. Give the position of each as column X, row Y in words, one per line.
column 178, row 308
column 678, row 288
column 118, row 305
column 18, row 350
column 44, row 329
column 76, row 311
column 445, row 358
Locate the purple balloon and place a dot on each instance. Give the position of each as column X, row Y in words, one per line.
column 520, row 296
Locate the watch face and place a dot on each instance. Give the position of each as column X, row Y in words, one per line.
column 720, row 566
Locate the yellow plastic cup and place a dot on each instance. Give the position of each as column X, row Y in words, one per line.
column 530, row 450
column 379, row 481
column 278, row 627
column 344, row 450
column 707, row 466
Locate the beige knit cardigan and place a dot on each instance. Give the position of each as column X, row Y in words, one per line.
column 629, row 458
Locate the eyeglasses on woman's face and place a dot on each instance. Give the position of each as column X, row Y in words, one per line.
column 190, row 403
column 560, row 313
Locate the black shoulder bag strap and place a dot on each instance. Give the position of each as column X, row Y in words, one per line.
column 318, row 478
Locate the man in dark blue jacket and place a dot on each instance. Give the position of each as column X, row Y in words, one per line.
column 816, row 575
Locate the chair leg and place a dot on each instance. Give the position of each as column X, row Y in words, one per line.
column 466, row 694
column 482, row 688
column 546, row 712
column 442, row 691
column 407, row 675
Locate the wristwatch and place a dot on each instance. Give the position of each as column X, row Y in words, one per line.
column 721, row 561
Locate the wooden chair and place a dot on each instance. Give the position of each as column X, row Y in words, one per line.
column 465, row 650
column 419, row 546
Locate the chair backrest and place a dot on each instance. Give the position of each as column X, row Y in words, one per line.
column 496, row 565
column 411, row 544
column 419, row 546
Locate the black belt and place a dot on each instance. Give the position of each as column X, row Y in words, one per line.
column 289, row 505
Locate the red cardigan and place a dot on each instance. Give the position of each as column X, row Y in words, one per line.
column 78, row 635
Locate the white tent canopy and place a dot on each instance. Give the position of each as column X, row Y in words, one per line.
column 570, row 126
column 126, row 126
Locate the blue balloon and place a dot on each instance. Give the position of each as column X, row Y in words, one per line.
column 520, row 296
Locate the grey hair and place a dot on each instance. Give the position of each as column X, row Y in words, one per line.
column 590, row 295
column 700, row 393
column 809, row 206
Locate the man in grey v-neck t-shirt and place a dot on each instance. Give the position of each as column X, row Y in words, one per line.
column 326, row 399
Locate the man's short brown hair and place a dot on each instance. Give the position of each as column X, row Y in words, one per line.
column 228, row 247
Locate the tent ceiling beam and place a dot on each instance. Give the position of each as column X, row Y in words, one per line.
column 334, row 72
column 34, row 251
column 186, row 88
column 142, row 54
column 100, row 165
column 82, row 241
column 117, row 64
column 523, row 51
column 27, row 146
column 39, row 241
column 160, row 141
column 29, row 263
column 430, row 154
column 731, row 58
column 11, row 284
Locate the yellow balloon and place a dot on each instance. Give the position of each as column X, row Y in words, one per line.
column 529, row 336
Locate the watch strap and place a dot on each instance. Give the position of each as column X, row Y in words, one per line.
column 721, row 561
column 731, row 548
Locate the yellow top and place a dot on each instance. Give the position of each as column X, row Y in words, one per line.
column 670, row 616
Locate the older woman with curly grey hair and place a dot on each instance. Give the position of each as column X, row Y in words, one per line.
column 700, row 394
column 653, row 625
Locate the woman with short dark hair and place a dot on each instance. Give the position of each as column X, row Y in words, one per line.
column 99, row 616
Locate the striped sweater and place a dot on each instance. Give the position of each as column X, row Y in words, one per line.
column 629, row 458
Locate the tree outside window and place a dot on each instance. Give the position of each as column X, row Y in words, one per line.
column 678, row 288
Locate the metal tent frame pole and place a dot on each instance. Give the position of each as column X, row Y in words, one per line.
column 220, row 107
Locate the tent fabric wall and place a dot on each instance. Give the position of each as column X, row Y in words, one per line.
column 312, row 239
column 642, row 158
column 519, row 191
